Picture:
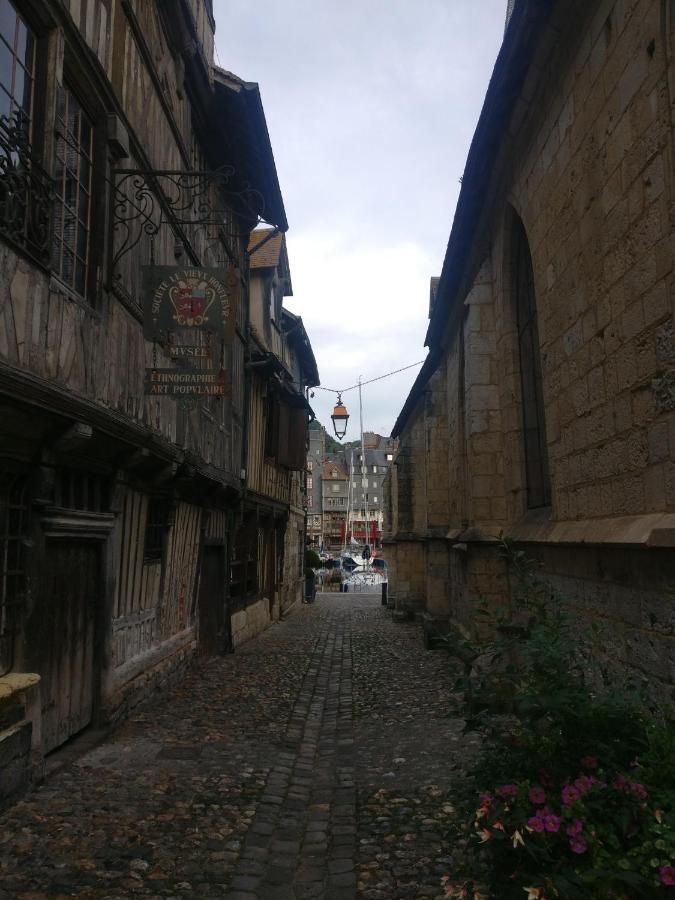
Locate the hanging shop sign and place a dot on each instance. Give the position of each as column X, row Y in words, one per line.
column 189, row 299
column 186, row 382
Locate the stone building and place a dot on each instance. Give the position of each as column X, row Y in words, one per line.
column 545, row 408
column 123, row 149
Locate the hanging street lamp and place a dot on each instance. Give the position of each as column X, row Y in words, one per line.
column 340, row 418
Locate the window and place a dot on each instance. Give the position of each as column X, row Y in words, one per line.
column 14, row 531
column 335, row 488
column 17, row 66
column 79, row 490
column 244, row 562
column 72, row 206
column 390, row 457
column 374, row 499
column 309, row 465
column 310, row 500
column 333, row 473
column 374, row 470
column 309, row 483
column 534, row 425
column 25, row 188
column 156, row 525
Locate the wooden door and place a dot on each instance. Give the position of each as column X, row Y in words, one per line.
column 214, row 619
column 65, row 638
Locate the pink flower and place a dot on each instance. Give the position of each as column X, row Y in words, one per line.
column 589, row 762
column 537, row 795
column 584, row 783
column 498, row 825
column 569, row 795
column 486, row 800
column 639, row 790
column 508, row 790
column 536, row 823
column 552, row 823
column 667, row 874
column 578, row 845
column 575, row 828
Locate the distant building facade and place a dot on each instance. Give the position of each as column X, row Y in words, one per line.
column 346, row 502
column 546, row 406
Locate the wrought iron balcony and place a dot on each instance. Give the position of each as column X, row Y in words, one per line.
column 26, row 192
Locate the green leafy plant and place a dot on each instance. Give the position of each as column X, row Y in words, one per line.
column 532, row 685
column 312, row 560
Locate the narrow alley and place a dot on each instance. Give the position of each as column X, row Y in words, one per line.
column 292, row 769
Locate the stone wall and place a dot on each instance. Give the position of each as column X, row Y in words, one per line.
column 249, row 622
column 586, row 164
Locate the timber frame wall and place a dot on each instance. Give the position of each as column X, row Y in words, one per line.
column 141, row 488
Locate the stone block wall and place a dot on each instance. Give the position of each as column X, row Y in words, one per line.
column 20, row 752
column 594, row 188
column 587, row 165
column 250, row 621
column 407, row 574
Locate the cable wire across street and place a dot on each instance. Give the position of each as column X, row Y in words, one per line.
column 370, row 380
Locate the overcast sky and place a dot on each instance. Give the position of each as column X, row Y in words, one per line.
column 370, row 105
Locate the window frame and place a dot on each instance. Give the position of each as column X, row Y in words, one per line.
column 538, row 489
column 77, row 79
column 30, row 240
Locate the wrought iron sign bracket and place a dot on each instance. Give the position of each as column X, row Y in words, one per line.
column 146, row 201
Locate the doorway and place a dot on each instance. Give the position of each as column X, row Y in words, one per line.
column 63, row 640
column 214, row 614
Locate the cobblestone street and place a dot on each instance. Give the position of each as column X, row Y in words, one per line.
column 314, row 762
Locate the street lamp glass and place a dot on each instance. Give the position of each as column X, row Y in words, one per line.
column 340, row 418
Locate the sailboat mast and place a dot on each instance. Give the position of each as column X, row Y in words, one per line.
column 363, row 466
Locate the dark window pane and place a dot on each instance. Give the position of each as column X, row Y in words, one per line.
column 7, row 22
column 532, row 400
column 23, row 45
column 6, row 66
column 5, row 104
column 19, row 82
column 73, row 171
column 82, row 242
column 67, row 266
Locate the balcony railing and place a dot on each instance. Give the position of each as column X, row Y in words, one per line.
column 26, row 192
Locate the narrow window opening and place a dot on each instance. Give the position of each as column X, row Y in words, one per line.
column 534, row 422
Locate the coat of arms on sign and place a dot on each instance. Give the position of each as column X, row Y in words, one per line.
column 186, row 298
column 192, row 298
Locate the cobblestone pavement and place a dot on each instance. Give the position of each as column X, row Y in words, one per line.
column 314, row 762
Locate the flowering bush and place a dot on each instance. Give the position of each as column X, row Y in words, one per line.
column 595, row 835
column 577, row 777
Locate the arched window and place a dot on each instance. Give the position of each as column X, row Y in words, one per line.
column 534, row 422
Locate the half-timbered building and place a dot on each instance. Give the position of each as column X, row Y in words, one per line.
column 122, row 506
